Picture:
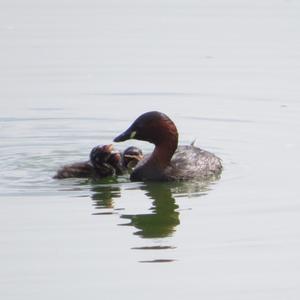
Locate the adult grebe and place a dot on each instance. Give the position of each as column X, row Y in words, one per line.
column 168, row 162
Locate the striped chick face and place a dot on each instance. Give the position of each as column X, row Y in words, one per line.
column 103, row 155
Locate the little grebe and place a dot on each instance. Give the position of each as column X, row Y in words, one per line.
column 119, row 163
column 168, row 162
column 104, row 161
column 131, row 156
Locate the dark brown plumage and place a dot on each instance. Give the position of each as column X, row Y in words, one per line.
column 168, row 162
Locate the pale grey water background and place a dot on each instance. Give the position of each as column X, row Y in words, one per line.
column 74, row 74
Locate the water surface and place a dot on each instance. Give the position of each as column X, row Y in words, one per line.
column 74, row 75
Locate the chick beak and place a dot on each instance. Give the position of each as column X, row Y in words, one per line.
column 110, row 148
column 138, row 157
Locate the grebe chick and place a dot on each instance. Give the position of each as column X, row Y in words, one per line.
column 130, row 157
column 168, row 162
column 104, row 161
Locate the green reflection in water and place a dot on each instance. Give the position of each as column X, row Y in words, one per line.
column 104, row 193
column 104, row 196
column 163, row 216
column 161, row 219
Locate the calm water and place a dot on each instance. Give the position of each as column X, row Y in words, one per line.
column 75, row 74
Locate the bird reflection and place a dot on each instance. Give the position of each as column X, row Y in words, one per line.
column 163, row 219
column 163, row 216
column 104, row 196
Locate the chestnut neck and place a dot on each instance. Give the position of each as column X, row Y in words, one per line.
column 165, row 139
column 163, row 152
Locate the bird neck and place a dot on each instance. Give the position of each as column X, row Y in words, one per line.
column 163, row 152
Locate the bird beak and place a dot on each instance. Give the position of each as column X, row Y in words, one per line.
column 110, row 147
column 126, row 135
column 138, row 157
column 112, row 150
